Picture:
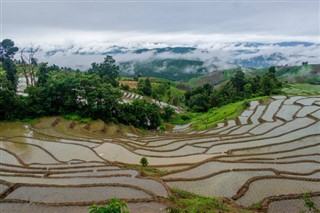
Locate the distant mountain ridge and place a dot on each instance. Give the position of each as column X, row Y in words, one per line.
column 192, row 59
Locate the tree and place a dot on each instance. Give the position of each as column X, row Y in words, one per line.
column 199, row 102
column 29, row 64
column 107, row 70
column 167, row 113
column 7, row 52
column 272, row 69
column 4, row 83
column 10, row 106
column 11, row 73
column 7, row 49
column 238, row 80
column 144, row 161
column 139, row 113
column 43, row 74
column 159, row 90
column 145, row 86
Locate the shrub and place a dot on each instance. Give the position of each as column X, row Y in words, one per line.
column 246, row 104
column 185, row 117
column 144, row 161
column 309, row 203
column 113, row 206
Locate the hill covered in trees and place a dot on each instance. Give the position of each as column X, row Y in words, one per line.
column 306, row 73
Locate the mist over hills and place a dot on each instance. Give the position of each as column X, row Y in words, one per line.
column 193, row 60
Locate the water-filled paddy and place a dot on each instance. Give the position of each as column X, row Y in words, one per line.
column 281, row 138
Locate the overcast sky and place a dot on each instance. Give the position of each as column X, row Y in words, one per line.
column 63, row 22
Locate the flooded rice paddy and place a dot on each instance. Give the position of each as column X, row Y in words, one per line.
column 270, row 153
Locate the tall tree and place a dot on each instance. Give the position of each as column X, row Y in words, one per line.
column 43, row 74
column 107, row 70
column 7, row 51
column 29, row 64
column 238, row 81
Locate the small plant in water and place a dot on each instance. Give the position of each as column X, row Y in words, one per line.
column 309, row 203
column 144, row 161
column 113, row 206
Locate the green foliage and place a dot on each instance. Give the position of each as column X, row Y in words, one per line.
column 145, row 87
column 239, row 87
column 113, row 206
column 218, row 114
column 256, row 205
column 11, row 73
column 125, row 87
column 75, row 117
column 309, row 203
column 198, row 99
column 43, row 75
column 107, row 70
column 144, row 161
column 11, row 105
column 8, row 49
column 238, row 81
column 148, row 170
column 183, row 118
column 167, row 113
column 301, row 89
column 81, row 97
column 191, row 203
column 140, row 113
column 246, row 104
column 7, row 52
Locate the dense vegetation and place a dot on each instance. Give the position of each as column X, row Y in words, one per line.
column 159, row 89
column 240, row 87
column 95, row 93
column 305, row 73
column 92, row 94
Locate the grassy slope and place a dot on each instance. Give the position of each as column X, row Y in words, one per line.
column 174, row 91
column 301, row 89
column 219, row 115
column 202, row 121
column 300, row 74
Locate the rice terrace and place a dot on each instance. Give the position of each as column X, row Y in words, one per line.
column 55, row 163
column 159, row 106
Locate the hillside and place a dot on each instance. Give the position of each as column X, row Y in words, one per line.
column 290, row 74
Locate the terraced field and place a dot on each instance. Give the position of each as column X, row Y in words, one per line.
column 129, row 97
column 269, row 154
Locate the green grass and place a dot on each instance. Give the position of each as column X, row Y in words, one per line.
column 220, row 115
column 174, row 91
column 150, row 171
column 301, row 89
column 183, row 118
column 26, row 120
column 256, row 205
column 75, row 117
column 191, row 203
